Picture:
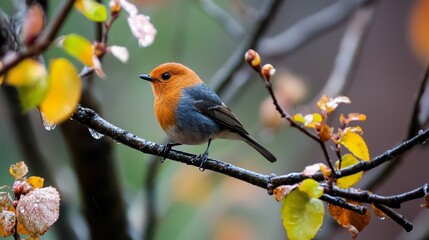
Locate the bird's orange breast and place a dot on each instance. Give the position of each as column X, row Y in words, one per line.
column 166, row 100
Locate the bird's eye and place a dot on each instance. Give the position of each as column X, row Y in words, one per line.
column 166, row 76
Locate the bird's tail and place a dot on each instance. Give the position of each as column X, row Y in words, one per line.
column 262, row 150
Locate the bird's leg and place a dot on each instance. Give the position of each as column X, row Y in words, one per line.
column 203, row 157
column 167, row 147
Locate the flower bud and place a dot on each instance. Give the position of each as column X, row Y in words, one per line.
column 252, row 58
column 268, row 71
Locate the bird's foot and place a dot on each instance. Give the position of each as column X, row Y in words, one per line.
column 165, row 149
column 202, row 158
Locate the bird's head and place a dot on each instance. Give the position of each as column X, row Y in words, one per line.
column 168, row 77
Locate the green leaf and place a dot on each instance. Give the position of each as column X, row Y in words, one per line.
column 311, row 187
column 79, row 47
column 31, row 96
column 93, row 10
column 348, row 160
column 302, row 216
column 355, row 144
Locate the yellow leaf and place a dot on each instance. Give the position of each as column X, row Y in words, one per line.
column 93, row 10
column 64, row 91
column 18, row 170
column 302, row 216
column 355, row 144
column 352, row 221
column 36, row 182
column 348, row 160
column 311, row 187
column 79, row 47
column 26, row 73
column 299, row 118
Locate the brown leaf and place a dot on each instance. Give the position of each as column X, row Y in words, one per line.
column 33, row 24
column 39, row 209
column 378, row 212
column 350, row 220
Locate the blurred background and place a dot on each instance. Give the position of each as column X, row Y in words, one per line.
column 374, row 52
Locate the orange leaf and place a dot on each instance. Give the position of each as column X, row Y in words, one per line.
column 378, row 212
column 325, row 132
column 350, row 220
column 64, row 91
column 419, row 31
column 36, row 182
column 355, row 144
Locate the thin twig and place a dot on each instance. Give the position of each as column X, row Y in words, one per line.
column 341, row 203
column 223, row 18
column 398, row 218
column 309, row 28
column 393, row 201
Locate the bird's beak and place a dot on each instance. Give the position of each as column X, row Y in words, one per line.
column 147, row 77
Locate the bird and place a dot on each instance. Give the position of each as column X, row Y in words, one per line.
column 191, row 113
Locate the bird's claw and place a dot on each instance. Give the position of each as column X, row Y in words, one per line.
column 165, row 149
column 202, row 158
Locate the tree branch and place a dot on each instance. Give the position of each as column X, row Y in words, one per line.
column 393, row 201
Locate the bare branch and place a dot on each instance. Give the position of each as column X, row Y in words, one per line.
column 309, row 28
column 223, row 18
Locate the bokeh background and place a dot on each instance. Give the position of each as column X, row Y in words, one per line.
column 190, row 204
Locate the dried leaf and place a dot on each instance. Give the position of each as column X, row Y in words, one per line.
column 78, row 47
column 18, row 170
column 35, row 181
column 7, row 223
column 64, row 91
column 355, row 144
column 142, row 29
column 39, row 209
column 325, row 132
column 281, row 191
column 311, row 187
column 302, row 216
column 93, row 10
column 33, row 23
column 378, row 212
column 330, row 104
column 311, row 169
column 348, row 160
column 5, row 201
column 350, row 220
